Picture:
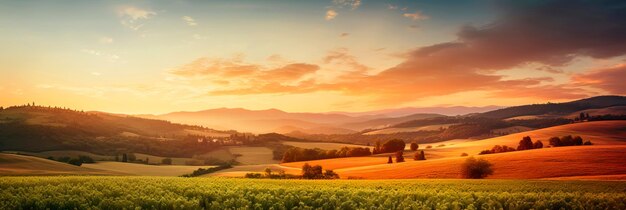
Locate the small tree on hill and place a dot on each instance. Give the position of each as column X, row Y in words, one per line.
column 474, row 168
column 399, row 156
column 578, row 140
column 538, row 144
column 390, row 160
column 555, row 142
column 525, row 143
column 393, row 145
column 419, row 155
column 414, row 146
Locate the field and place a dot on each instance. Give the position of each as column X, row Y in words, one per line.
column 409, row 129
column 11, row 164
column 143, row 169
column 220, row 193
column 321, row 145
column 604, row 160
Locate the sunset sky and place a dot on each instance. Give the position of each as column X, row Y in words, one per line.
column 308, row 56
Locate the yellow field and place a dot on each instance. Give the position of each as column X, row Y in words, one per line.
column 252, row 155
column 321, row 145
column 142, row 169
column 11, row 164
column 604, row 159
column 410, row 129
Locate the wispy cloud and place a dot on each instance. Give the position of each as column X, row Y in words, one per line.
column 331, row 14
column 415, row 16
column 344, row 34
column 132, row 17
column 189, row 20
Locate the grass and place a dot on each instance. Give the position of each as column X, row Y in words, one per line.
column 252, row 155
column 143, row 169
column 603, row 160
column 12, row 164
column 219, row 193
column 321, row 145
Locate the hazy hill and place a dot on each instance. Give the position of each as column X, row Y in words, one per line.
column 557, row 108
column 36, row 128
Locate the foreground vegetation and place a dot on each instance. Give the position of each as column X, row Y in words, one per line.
column 219, row 193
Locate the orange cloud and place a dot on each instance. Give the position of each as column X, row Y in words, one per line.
column 608, row 79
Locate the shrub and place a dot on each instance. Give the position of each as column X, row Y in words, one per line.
column 587, row 143
column 474, row 168
column 414, row 146
column 429, row 146
column 578, row 140
column 399, row 156
column 393, row 145
column 463, row 154
column 390, row 160
column 555, row 141
column 75, row 161
column 497, row 149
column 538, row 144
column 419, row 155
column 86, row 159
column 166, row 161
column 252, row 175
column 315, row 172
column 525, row 143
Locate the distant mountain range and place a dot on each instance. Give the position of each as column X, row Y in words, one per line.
column 274, row 120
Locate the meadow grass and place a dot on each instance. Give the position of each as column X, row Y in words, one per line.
column 108, row 192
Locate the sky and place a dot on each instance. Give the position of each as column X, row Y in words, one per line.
column 151, row 57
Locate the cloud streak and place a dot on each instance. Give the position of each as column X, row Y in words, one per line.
column 133, row 17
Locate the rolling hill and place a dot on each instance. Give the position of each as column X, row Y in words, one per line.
column 12, row 164
column 604, row 158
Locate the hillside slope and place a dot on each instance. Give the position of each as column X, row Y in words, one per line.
column 12, row 164
column 604, row 158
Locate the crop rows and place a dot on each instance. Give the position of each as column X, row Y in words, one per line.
column 93, row 192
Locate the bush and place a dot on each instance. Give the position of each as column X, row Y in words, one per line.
column 315, row 172
column 414, row 146
column 393, row 145
column 566, row 141
column 419, row 155
column 429, row 146
column 474, row 168
column 86, row 159
column 166, row 161
column 390, row 160
column 253, row 175
column 525, row 143
column 497, row 149
column 202, row 171
column 75, row 161
column 587, row 143
column 538, row 145
column 399, row 156
column 463, row 154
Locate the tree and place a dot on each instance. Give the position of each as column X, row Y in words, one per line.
column 538, row 144
column 312, row 172
column 124, row 158
column 399, row 156
column 330, row 174
column 587, row 143
column 131, row 157
column 377, row 148
column 525, row 143
column 567, row 140
column 474, row 168
column 166, row 161
column 555, row 142
column 75, row 161
column 582, row 116
column 268, row 172
column 463, row 154
column 393, row 145
column 414, row 146
column 419, row 155
column 578, row 140
column 390, row 160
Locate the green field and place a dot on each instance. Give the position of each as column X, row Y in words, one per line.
column 93, row 192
